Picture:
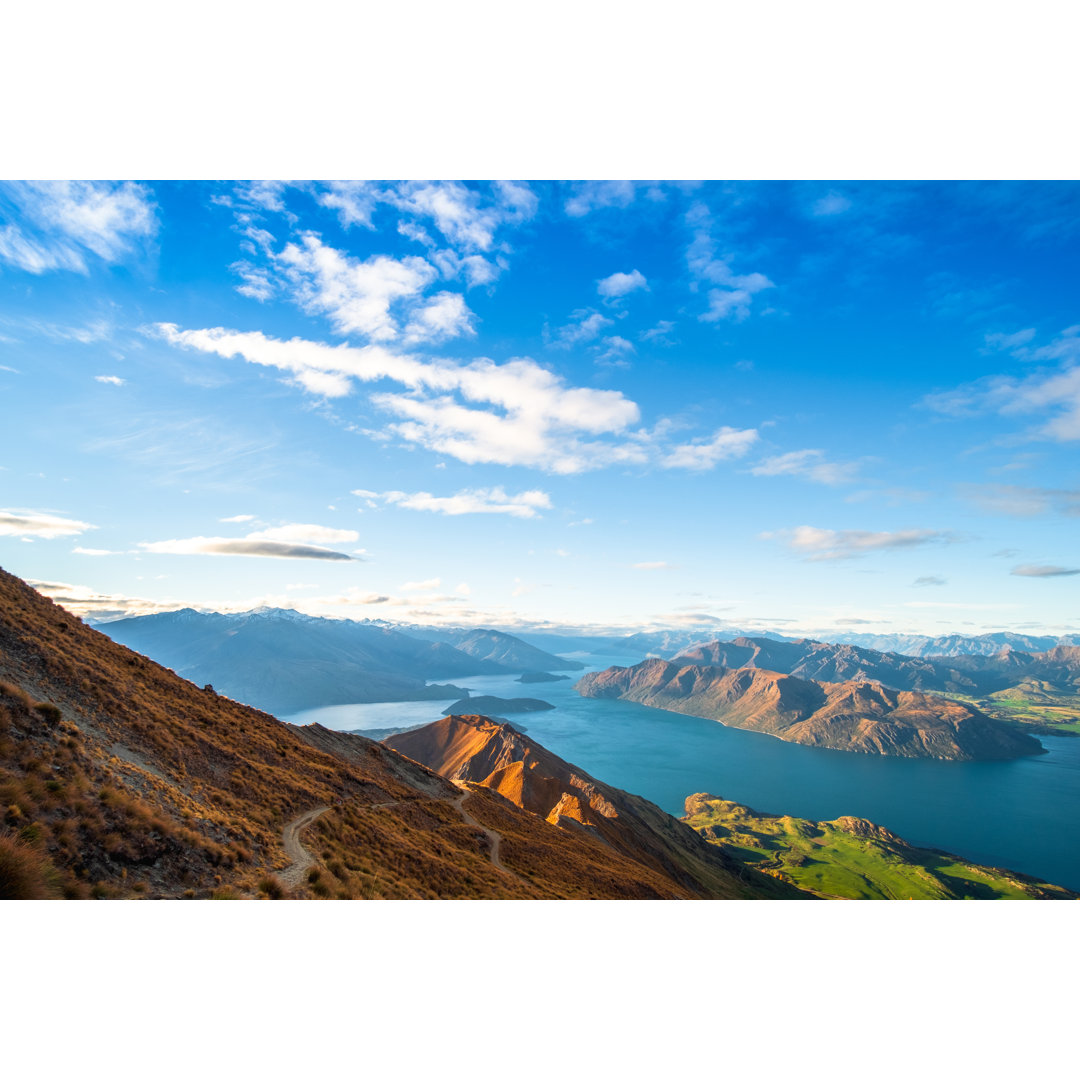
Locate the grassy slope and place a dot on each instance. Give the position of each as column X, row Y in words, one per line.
column 853, row 859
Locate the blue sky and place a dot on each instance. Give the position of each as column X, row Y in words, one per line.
column 815, row 407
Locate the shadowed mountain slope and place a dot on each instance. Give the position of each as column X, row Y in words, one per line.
column 863, row 717
column 495, row 755
column 284, row 661
column 510, row 652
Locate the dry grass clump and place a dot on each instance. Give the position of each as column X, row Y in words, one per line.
column 271, row 887
column 26, row 872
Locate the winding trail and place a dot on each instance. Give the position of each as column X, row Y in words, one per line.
column 302, row 859
column 291, row 876
column 494, row 838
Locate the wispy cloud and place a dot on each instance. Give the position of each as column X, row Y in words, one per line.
column 527, row 415
column 660, row 334
column 701, row 454
column 525, row 504
column 591, row 195
column 59, row 224
column 1015, row 500
column 1040, row 571
column 818, row 545
column 809, row 464
column 733, row 296
column 112, row 380
column 84, row 601
column 831, row 205
column 35, row 524
column 585, row 325
column 1055, row 392
column 930, row 579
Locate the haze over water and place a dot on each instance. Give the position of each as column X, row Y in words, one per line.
column 1014, row 814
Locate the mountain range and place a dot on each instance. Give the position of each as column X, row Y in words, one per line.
column 854, row 715
column 963, row 674
column 284, row 662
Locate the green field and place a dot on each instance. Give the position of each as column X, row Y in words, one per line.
column 853, row 859
column 1039, row 706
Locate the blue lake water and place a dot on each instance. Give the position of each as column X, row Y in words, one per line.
column 1019, row 814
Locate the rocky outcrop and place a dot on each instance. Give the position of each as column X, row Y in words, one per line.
column 480, row 750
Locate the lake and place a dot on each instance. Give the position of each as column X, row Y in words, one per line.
column 1018, row 814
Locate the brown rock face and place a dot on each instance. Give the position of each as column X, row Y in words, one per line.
column 479, row 750
column 864, row 717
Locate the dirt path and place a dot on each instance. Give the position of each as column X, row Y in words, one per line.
column 292, row 875
column 302, row 859
column 494, row 838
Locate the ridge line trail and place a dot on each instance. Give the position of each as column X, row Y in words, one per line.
column 301, row 858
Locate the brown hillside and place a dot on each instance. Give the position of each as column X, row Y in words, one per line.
column 864, row 717
column 120, row 779
column 485, row 752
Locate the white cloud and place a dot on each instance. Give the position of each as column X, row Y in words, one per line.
column 36, row 524
column 306, row 534
column 94, row 551
column 112, row 380
column 446, row 316
column 810, row 464
column 821, row 544
column 63, row 221
column 527, row 415
column 221, row 545
column 620, row 284
column 463, row 215
column 354, row 200
column 725, row 443
column 613, row 351
column 258, row 285
column 356, row 296
column 237, row 518
column 479, row 501
column 292, row 541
